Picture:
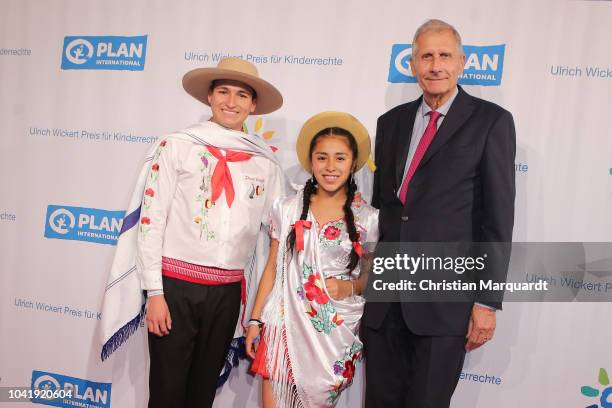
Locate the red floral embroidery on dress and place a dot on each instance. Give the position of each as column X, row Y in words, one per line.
column 314, row 291
column 155, row 167
column 349, row 368
column 145, row 220
column 338, row 388
column 331, row 233
column 163, row 143
column 358, row 201
column 311, row 312
column 150, row 192
column 344, row 370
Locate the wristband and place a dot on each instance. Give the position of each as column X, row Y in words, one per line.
column 154, row 292
column 255, row 322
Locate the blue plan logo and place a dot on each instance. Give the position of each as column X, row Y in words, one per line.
column 62, row 391
column 83, row 224
column 104, row 52
column 483, row 66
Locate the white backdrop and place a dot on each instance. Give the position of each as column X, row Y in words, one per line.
column 556, row 79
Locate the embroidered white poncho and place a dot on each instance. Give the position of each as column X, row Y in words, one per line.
column 124, row 302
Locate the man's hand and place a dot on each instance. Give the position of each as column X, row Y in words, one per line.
column 158, row 316
column 481, row 327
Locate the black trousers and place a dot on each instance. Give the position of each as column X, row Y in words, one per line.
column 186, row 363
column 404, row 370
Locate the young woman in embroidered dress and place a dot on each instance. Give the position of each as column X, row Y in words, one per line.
column 309, row 301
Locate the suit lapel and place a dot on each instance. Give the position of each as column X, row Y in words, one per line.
column 403, row 137
column 458, row 114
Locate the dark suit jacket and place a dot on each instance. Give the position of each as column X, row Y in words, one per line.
column 462, row 191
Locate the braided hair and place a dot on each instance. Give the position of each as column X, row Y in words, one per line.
column 350, row 222
column 311, row 188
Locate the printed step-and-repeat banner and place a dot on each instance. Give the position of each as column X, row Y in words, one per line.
column 87, row 87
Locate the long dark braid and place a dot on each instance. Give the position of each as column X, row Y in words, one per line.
column 350, row 222
column 309, row 189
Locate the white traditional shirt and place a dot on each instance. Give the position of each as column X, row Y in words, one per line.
column 179, row 220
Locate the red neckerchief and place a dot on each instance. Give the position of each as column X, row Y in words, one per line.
column 222, row 178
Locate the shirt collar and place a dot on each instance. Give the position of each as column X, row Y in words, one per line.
column 424, row 109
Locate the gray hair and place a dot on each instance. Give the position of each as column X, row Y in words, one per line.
column 436, row 26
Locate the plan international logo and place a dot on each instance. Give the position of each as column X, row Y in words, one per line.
column 483, row 65
column 83, row 224
column 72, row 392
column 104, row 52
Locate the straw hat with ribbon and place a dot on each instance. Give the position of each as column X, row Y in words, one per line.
column 197, row 83
column 325, row 120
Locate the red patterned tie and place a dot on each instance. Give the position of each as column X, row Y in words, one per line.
column 424, row 143
column 222, row 178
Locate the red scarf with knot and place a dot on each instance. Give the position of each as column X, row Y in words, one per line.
column 222, row 178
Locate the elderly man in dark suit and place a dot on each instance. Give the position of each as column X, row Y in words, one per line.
column 444, row 173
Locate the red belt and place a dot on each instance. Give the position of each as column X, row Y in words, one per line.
column 204, row 275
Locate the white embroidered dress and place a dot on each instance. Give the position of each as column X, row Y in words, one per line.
column 312, row 342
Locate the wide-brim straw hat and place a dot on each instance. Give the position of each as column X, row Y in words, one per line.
column 330, row 119
column 197, row 83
